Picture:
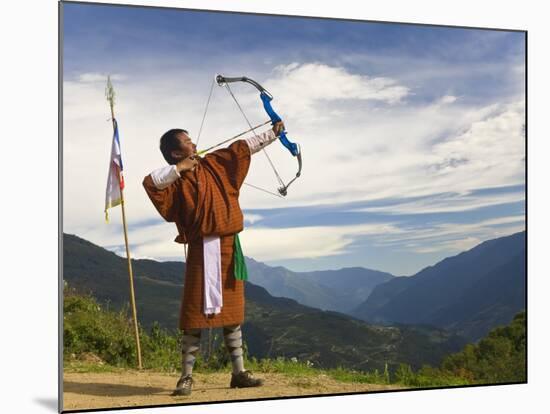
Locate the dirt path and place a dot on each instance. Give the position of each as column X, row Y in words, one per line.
column 133, row 388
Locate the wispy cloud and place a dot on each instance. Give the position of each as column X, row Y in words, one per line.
column 252, row 218
column 454, row 237
column 99, row 77
column 321, row 242
column 305, row 87
column 270, row 244
column 445, row 203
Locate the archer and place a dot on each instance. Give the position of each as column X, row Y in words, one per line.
column 201, row 195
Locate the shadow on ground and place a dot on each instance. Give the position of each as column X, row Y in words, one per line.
column 112, row 390
column 49, row 403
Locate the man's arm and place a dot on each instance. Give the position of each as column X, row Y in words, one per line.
column 234, row 161
column 257, row 142
column 162, row 193
column 164, row 176
column 162, row 190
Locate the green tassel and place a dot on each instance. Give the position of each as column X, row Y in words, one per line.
column 239, row 268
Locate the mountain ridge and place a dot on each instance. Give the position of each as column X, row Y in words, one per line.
column 445, row 287
column 338, row 290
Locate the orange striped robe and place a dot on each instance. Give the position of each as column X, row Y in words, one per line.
column 205, row 202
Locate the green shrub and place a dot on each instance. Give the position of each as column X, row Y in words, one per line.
column 109, row 335
column 499, row 357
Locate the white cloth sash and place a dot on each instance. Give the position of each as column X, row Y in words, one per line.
column 213, row 300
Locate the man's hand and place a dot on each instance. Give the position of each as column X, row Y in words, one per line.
column 278, row 128
column 187, row 164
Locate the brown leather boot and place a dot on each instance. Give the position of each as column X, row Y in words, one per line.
column 184, row 385
column 245, row 379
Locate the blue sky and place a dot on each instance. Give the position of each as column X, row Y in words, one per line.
column 412, row 135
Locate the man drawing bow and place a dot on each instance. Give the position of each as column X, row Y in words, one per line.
column 201, row 195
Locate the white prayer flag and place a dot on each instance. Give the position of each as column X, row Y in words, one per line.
column 115, row 179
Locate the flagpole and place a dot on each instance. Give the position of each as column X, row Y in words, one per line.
column 110, row 98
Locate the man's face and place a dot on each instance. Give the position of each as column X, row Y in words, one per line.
column 186, row 147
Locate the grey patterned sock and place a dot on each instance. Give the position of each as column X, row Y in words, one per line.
column 190, row 346
column 232, row 336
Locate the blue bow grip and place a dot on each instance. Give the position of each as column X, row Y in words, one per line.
column 266, row 99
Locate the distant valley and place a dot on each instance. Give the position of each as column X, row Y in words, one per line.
column 339, row 290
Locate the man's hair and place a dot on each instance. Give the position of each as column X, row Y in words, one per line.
column 169, row 142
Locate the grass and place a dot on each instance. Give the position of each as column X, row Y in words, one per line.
column 301, row 374
column 346, row 375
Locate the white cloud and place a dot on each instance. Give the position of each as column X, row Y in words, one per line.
column 304, row 89
column 311, row 242
column 465, row 237
column 252, row 218
column 447, row 99
column 453, row 237
column 99, row 77
column 154, row 242
column 455, row 245
column 267, row 244
column 445, row 203
column 261, row 243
